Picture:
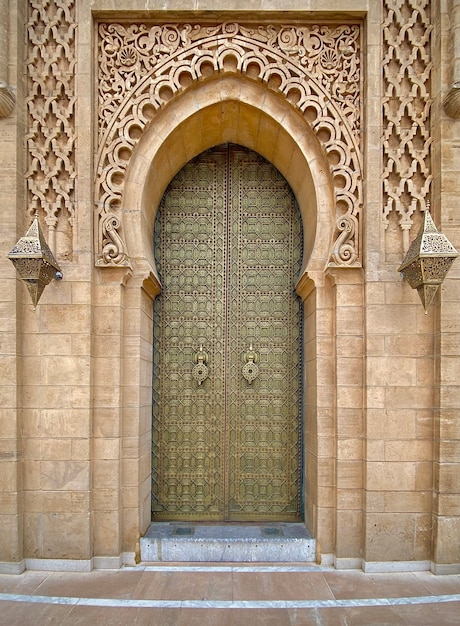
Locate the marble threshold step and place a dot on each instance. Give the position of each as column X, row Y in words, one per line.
column 227, row 543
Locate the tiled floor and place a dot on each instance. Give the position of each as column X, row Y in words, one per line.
column 179, row 595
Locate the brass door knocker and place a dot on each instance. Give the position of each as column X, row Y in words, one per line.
column 200, row 371
column 250, row 369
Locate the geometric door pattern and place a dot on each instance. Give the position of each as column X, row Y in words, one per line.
column 227, row 343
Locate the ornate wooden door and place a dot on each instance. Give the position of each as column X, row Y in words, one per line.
column 227, row 337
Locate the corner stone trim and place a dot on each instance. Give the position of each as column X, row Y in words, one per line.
column 142, row 67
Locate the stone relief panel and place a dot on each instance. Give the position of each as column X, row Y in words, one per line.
column 407, row 67
column 142, row 67
column 50, row 64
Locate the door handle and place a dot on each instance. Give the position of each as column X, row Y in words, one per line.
column 250, row 368
column 200, row 370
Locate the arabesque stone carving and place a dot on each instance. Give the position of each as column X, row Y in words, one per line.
column 51, row 116
column 407, row 101
column 142, row 66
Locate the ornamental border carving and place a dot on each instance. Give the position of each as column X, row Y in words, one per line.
column 142, row 66
column 51, row 134
column 407, row 67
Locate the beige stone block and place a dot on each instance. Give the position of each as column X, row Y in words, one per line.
column 48, row 501
column 349, row 346
column 403, row 397
column 390, row 536
column 349, row 371
column 10, row 538
column 80, row 449
column 107, row 372
column 31, row 475
column 325, row 447
column 375, row 398
column 391, row 476
column 105, row 499
column 449, row 477
column 424, row 476
column 64, row 475
column 107, row 533
column 409, row 450
column 407, row 502
column 448, row 504
column 9, row 502
column 32, row 535
column 65, row 370
column 55, row 449
column 106, row 397
column 390, row 320
column 446, row 544
column 450, row 397
column 450, row 370
column 349, row 474
column 49, row 396
column 349, row 295
column 81, row 292
column 423, row 537
column 375, row 449
column 374, row 502
column 375, row 294
column 64, row 422
column 450, row 344
column 409, row 345
column 104, row 448
column 350, row 449
column 395, row 371
column 106, row 473
column 8, row 422
column 130, row 496
column 349, row 422
column 75, row 318
column 349, row 536
column 349, row 498
column 349, row 397
column 80, row 398
column 65, row 536
column 349, row 320
column 325, row 530
column 326, row 472
column 8, row 373
column 107, row 320
column 424, row 424
column 425, row 371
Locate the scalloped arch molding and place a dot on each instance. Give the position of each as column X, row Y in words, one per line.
column 168, row 92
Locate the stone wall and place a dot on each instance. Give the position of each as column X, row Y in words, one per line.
column 362, row 137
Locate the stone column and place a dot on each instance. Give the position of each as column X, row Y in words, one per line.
column 7, row 99
column 452, row 100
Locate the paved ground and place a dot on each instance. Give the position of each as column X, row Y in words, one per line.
column 187, row 595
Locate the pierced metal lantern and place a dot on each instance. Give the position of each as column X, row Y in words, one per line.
column 34, row 261
column 427, row 261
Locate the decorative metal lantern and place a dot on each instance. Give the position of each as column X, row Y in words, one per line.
column 34, row 261
column 427, row 261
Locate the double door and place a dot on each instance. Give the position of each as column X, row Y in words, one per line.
column 227, row 337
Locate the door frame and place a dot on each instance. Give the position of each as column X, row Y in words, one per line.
column 249, row 114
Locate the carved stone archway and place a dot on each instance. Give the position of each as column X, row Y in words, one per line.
column 142, row 69
column 228, row 109
column 292, row 94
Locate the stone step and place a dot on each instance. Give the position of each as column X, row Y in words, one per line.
column 227, row 543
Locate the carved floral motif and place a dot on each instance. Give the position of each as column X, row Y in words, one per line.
column 141, row 67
